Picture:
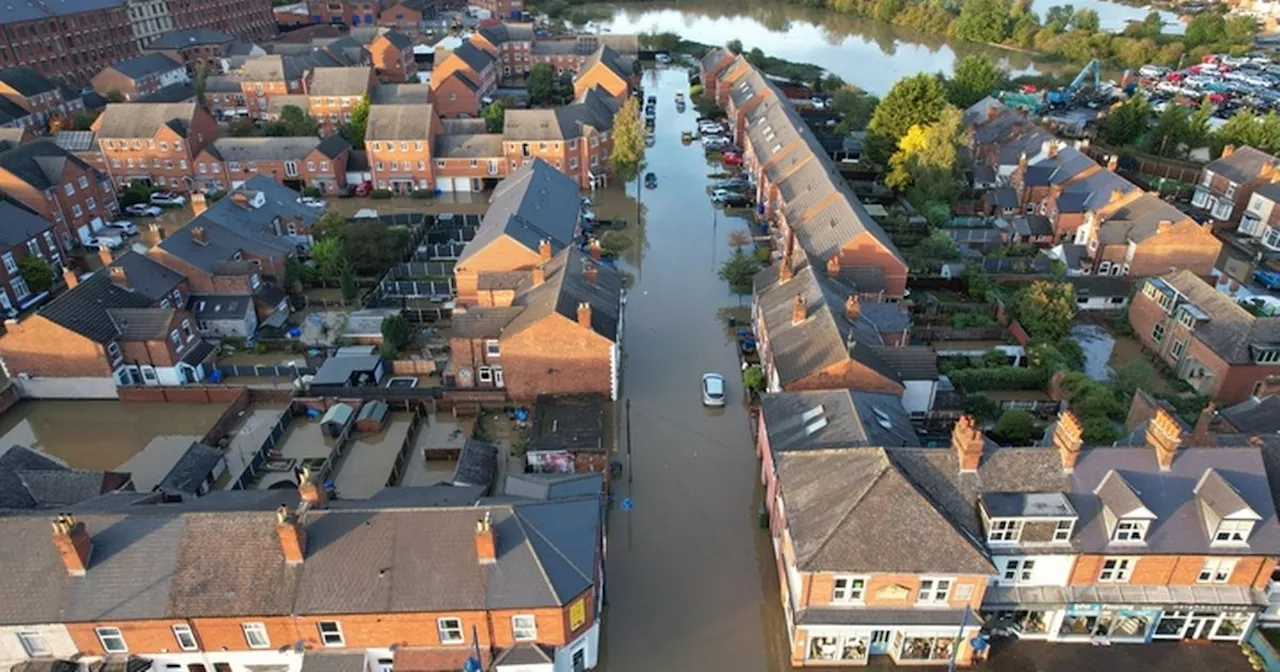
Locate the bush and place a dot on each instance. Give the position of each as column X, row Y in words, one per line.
column 422, row 194
column 762, row 255
column 695, row 90
column 972, row 318
column 753, row 378
column 1015, row 427
column 1000, row 378
column 311, row 192
column 1098, row 431
column 389, row 351
column 981, row 407
column 380, row 194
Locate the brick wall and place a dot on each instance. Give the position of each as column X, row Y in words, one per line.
column 1174, row 570
column 849, row 374
column 40, row 347
column 556, row 356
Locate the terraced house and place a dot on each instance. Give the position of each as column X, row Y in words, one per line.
column 154, row 143
column 24, row 233
column 333, row 93
column 60, row 187
column 36, row 95
column 461, row 80
column 398, row 141
column 1227, row 183
column 574, row 138
column 141, row 76
column 310, row 161
column 425, row 585
column 392, row 56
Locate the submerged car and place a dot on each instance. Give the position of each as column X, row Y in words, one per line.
column 168, row 198
column 731, row 159
column 732, row 200
column 650, row 180
column 123, row 226
column 143, row 210
column 712, row 389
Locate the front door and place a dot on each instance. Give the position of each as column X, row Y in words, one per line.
column 579, row 659
column 879, row 642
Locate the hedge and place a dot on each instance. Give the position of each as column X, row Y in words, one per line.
column 1000, row 378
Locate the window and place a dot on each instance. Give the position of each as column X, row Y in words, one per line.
column 1115, row 570
column 1178, row 349
column 69, row 188
column 524, row 627
column 1130, row 531
column 450, row 630
column 849, row 589
column 492, row 348
column 33, row 643
column 186, row 638
column 76, row 210
column 1019, row 571
column 485, row 374
column 1216, row 570
column 933, row 591
column 1231, row 190
column 176, row 338
column 10, row 264
column 1062, row 530
column 331, row 633
column 254, row 633
column 187, row 334
column 113, row 351
column 1233, row 532
column 111, row 639
column 1157, row 333
column 1268, row 356
column 20, row 288
column 84, row 182
column 1004, row 529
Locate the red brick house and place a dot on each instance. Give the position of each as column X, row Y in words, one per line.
column 38, row 95
column 607, row 69
column 24, row 233
column 154, row 143
column 138, row 77
column 1227, row 183
column 709, row 68
column 55, row 184
column 576, row 139
column 407, row 14
column 264, row 77
column 462, row 79
column 228, row 163
column 1145, row 236
column 398, row 142
column 333, row 93
column 193, row 47
column 1220, row 348
column 392, row 54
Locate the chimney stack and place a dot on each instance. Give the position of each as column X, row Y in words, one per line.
column 1116, row 195
column 73, row 543
column 584, row 315
column 590, row 273
column 788, row 246
column 992, row 112
column 1022, row 160
column 293, row 538
column 853, row 308
column 312, row 494
column 1067, row 434
column 199, row 203
column 594, row 248
column 69, row 276
column 1200, row 436
column 538, row 275
column 486, row 541
column 799, row 310
column 1228, row 151
column 1053, row 148
column 967, row 440
column 198, row 235
column 119, row 277
column 544, row 249
column 105, row 254
column 158, row 231
column 1113, row 162
column 1164, row 435
column 833, row 266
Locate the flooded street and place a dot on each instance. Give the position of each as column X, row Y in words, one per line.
column 690, row 584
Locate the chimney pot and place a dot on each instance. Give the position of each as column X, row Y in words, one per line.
column 799, row 310
column 967, row 440
column 1022, row 160
column 1200, row 436
column 69, row 276
column 1067, row 434
column 594, row 248
column 1164, row 435
column 119, row 277
column 73, row 543
column 544, row 249
column 853, row 308
column 199, row 203
column 486, row 541
column 158, row 231
column 1228, row 150
column 1113, row 162
column 1052, row 149
column 198, row 235
column 1116, row 195
column 293, row 537
column 833, row 266
column 590, row 273
column 105, row 254
column 538, row 275
column 584, row 315
column 311, row 494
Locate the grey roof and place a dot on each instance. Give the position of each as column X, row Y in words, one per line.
column 833, row 499
column 568, row 422
column 819, row 419
column 535, row 203
column 146, row 276
column 483, row 322
column 83, row 308
column 276, row 104
column 1115, row 493
column 142, row 120
column 398, row 39
column 276, row 68
column 525, row 654
column 818, row 616
column 178, row 39
column 1244, row 164
column 11, row 112
column 1220, row 497
column 1027, row 504
column 1032, row 225
column 479, row 145
column 191, row 469
column 145, row 65
column 1255, row 415
column 1094, row 191
column 593, row 108
column 1269, row 190
column 39, row 163
column 16, row 459
column 399, row 122
column 1230, row 328
column 1002, row 197
column 476, row 58
column 347, row 81
column 981, row 111
column 504, row 32
column 713, row 57
column 341, row 370
column 222, row 84
column 173, row 93
column 477, row 464
column 214, row 307
column 19, row 224
column 74, row 141
column 1059, row 168
column 1139, row 220
column 142, row 324
column 566, row 287
column 911, row 362
column 24, row 79
column 554, row 486
column 263, row 149
column 401, row 94
column 327, row 661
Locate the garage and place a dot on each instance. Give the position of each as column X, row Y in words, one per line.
column 456, row 184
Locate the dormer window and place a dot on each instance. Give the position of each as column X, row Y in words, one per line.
column 1130, row 531
column 1233, row 532
column 848, row 589
column 1127, row 518
column 1004, row 529
column 1227, row 516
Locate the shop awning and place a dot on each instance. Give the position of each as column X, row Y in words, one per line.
column 949, row 617
column 1040, row 597
column 1185, row 597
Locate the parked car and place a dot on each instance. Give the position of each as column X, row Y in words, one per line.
column 818, row 102
column 124, row 226
column 679, row 96
column 710, row 128
column 712, row 389
column 168, row 198
column 653, row 100
column 731, row 159
column 734, row 184
column 98, row 242
column 312, row 202
column 715, row 143
column 143, row 210
column 650, row 180
column 662, row 58
column 650, row 112
column 363, row 189
column 732, row 200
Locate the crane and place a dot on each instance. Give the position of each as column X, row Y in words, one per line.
column 1067, row 94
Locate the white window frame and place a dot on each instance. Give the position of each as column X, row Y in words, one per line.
column 1063, row 534
column 331, row 633
column 449, row 629
column 34, row 643
column 1004, row 530
column 849, row 589
column 185, row 637
column 255, row 635
column 1216, row 570
column 934, row 591
column 106, row 634
column 10, row 263
column 1018, row 570
column 1157, row 332
column 1130, row 531
column 492, row 348
column 1116, row 569
column 524, row 627
column 1229, row 529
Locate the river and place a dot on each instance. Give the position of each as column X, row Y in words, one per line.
column 870, row 54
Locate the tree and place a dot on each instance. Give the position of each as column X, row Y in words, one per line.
column 932, row 251
column 855, row 108
column 1199, row 125
column 1128, row 122
column 495, row 114
column 293, row 122
column 982, row 21
column 1240, row 29
column 1205, row 28
column 975, row 78
column 1151, row 27
column 1045, row 309
column 36, row 272
column 753, row 378
column 1059, row 17
column 371, row 247
column 1085, row 20
column 924, row 166
column 540, row 83
column 918, row 99
column 1129, row 377
column 353, row 131
column 981, row 406
column 739, row 238
column 628, row 141
column 332, row 224
column 114, row 95
column 396, row 330
column 1015, row 427
column 1098, row 431
column 327, row 253
column 734, row 46
column 1170, row 131
column 739, row 270
column 347, row 281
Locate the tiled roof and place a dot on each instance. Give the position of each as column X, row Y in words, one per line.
column 263, row 149
column 1230, row 328
column 476, row 58
column 83, row 308
column 477, row 464
column 142, row 324
column 476, row 145
column 173, row 93
column 399, row 122
column 275, row 68
column 401, row 94
column 348, row 81
column 535, row 203
column 821, row 419
column 566, row 287
column 145, row 65
column 397, row 39
column 605, row 55
column 146, row 276
column 1255, row 415
column 178, row 39
column 19, row 224
column 192, row 468
column 14, row 461
column 143, row 120
column 39, row 163
column 1244, row 164
column 229, row 227
column 483, row 322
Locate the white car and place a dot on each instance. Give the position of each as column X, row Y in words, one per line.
column 715, row 142
column 712, row 389
column 710, row 128
column 168, row 198
column 662, row 58
column 143, row 210
column 817, row 102
column 124, row 226
column 109, row 242
column 311, row 202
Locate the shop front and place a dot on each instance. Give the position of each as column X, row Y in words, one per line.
column 1203, row 624
column 1107, row 623
column 945, row 638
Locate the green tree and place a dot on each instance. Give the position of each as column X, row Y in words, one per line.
column 1059, row 17
column 981, row 406
column 1152, row 25
column 924, row 166
column 753, row 378
column 36, row 272
column 396, row 330
column 1240, row 29
column 495, row 114
column 371, row 247
column 734, row 46
column 975, row 78
column 918, row 99
column 1126, row 124
column 1129, row 377
column 1085, row 20
column 628, row 141
column 1205, row 28
column 1045, row 309
column 293, row 122
column 739, row 270
column 855, row 109
column 983, row 21
column 1015, row 427
column 540, row 83
column 353, row 131
column 327, row 253
column 1098, row 431
column 332, row 224
column 1170, row 132
column 930, row 252
column 114, row 95
column 347, row 281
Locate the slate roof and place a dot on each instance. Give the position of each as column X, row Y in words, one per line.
column 1245, row 164
column 535, row 203
column 142, row 324
column 1060, row 168
column 525, row 654
column 328, row 661
column 83, row 308
column 568, row 422
column 593, row 108
column 477, row 464
column 39, row 163
column 1139, row 220
column 145, row 65
column 229, row 228
column 163, row 562
column 820, row 419
column 173, row 93
column 214, row 307
column 478, row 145
column 397, row 39
column 178, row 39
column 554, row 486
column 1255, row 415
column 275, row 68
column 474, row 57
column 346, row 81
column 333, row 146
column 24, row 79
column 15, row 460
column 605, row 55
column 11, row 112
column 504, row 32
column 19, row 224
column 399, row 122
column 263, row 149
column 483, row 322
column 191, row 469
column 146, row 276
column 713, row 57
column 401, row 94
column 565, row 287
column 1093, row 191
column 142, row 120
column 1230, row 328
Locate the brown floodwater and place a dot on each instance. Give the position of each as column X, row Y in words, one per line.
column 101, row 434
column 691, row 582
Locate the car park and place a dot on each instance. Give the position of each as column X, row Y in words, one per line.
column 124, row 226
column 143, row 210
column 168, row 198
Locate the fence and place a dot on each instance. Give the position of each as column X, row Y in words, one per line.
column 265, row 371
column 437, row 290
column 434, row 252
column 1171, row 169
column 230, row 416
column 928, row 334
column 187, row 394
column 422, row 269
